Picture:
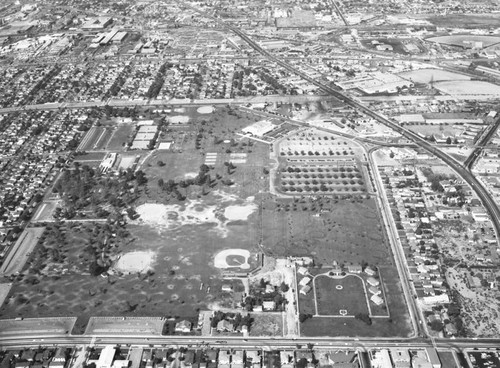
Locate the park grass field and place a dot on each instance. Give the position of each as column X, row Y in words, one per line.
column 183, row 281
column 328, row 229
column 346, row 294
column 121, row 135
column 397, row 324
column 181, row 237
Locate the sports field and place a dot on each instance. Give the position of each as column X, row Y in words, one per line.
column 396, row 324
column 340, row 296
column 96, row 139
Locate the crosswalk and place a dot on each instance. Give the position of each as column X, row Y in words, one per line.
column 211, row 158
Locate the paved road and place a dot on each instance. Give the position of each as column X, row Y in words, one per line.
column 265, row 343
column 397, row 250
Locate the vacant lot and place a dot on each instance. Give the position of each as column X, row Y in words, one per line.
column 427, row 129
column 468, row 88
column 36, row 326
column 335, row 295
column 466, row 20
column 432, row 75
column 267, row 324
column 465, row 40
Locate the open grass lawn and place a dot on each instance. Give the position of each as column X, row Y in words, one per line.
column 331, row 299
column 185, row 159
column 183, row 261
column 121, row 135
column 327, row 326
column 326, row 229
column 90, row 156
column 446, row 130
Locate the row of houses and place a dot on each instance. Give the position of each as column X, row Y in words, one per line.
column 40, row 358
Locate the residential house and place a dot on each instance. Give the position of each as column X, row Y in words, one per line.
column 225, row 325
column 372, row 281
column 269, row 305
column 305, row 289
column 306, row 280
column 377, row 299
column 354, row 268
column 183, row 326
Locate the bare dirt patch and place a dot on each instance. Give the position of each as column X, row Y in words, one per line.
column 134, row 262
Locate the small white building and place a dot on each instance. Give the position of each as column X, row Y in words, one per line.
column 306, row 280
column 183, row 326
column 377, row 300
column 372, row 281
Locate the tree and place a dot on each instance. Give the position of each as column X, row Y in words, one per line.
column 364, row 317
column 204, row 169
column 304, row 317
column 95, row 269
column 436, row 325
column 160, row 163
column 284, row 287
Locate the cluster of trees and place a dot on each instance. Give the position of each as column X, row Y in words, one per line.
column 304, row 317
column 364, row 317
column 201, row 179
column 85, row 188
column 293, row 169
column 155, row 87
column 237, row 319
column 41, row 85
column 317, row 153
column 119, row 81
column 260, row 295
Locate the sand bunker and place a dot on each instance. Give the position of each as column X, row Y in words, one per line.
column 195, row 212
column 234, row 213
column 171, row 216
column 136, row 262
column 221, row 259
column 205, row 110
column 179, row 119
